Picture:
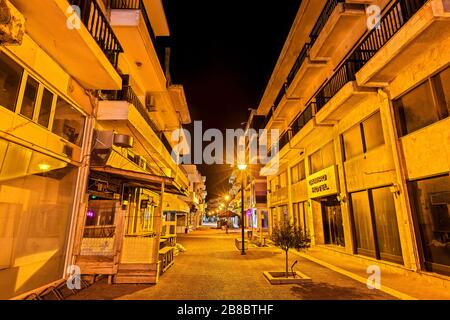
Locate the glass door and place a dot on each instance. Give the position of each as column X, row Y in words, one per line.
column 332, row 223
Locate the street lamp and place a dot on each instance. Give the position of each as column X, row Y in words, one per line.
column 227, row 197
column 242, row 168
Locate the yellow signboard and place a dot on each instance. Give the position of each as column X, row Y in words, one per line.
column 323, row 183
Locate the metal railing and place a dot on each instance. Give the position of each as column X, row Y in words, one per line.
column 303, row 118
column 304, row 53
column 323, row 18
column 340, row 78
column 395, row 17
column 298, row 63
column 135, row 5
column 98, row 26
column 128, row 94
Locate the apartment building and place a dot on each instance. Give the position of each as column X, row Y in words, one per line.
column 362, row 104
column 87, row 112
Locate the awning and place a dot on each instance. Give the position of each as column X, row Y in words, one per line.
column 139, row 179
column 228, row 214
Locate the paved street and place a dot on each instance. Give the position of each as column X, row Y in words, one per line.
column 212, row 268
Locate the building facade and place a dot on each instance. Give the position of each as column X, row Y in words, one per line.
column 365, row 133
column 87, row 113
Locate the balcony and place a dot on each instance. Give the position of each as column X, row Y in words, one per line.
column 330, row 36
column 131, row 22
column 89, row 53
column 389, row 49
column 123, row 111
column 342, row 92
column 305, row 73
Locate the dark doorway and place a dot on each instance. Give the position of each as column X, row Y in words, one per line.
column 332, row 222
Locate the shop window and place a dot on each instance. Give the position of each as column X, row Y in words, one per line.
column 375, row 224
column 46, row 108
column 362, row 223
column 431, row 203
column 373, row 132
column 424, row 105
column 10, row 79
column 68, row 122
column 36, row 202
column 386, row 225
column 29, row 98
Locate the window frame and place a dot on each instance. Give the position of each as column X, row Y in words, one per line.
column 436, row 106
column 18, row 100
column 362, row 136
column 376, row 254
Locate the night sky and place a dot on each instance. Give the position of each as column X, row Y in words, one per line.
column 224, row 52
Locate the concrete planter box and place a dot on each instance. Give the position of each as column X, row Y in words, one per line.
column 276, row 278
column 238, row 244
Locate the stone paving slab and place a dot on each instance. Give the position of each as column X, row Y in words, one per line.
column 213, row 269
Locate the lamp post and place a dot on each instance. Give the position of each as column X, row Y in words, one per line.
column 242, row 168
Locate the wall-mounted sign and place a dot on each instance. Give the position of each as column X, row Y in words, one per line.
column 323, row 183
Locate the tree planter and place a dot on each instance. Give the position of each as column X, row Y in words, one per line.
column 238, row 244
column 277, row 278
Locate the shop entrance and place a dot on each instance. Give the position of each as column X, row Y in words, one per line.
column 333, row 229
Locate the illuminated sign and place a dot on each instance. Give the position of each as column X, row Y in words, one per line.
column 323, row 183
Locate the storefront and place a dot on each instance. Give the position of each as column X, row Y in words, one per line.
column 323, row 190
column 36, row 204
column 431, row 205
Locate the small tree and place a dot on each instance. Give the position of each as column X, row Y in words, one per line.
column 286, row 236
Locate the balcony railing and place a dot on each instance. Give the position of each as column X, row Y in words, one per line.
column 340, row 78
column 298, row 63
column 134, row 5
column 304, row 53
column 323, row 18
column 98, row 26
column 395, row 17
column 303, row 118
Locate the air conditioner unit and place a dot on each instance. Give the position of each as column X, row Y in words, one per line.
column 123, row 140
column 150, row 103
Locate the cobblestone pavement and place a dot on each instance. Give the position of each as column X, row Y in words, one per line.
column 212, row 268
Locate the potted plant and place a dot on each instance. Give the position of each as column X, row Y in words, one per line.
column 287, row 237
